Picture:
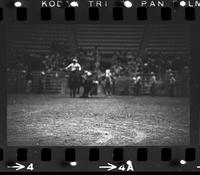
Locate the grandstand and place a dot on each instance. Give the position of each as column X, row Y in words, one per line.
column 155, row 39
column 108, row 38
column 33, row 42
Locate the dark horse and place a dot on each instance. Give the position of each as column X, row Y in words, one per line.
column 89, row 83
column 107, row 84
column 74, row 82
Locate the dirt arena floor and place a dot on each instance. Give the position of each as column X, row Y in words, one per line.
column 55, row 120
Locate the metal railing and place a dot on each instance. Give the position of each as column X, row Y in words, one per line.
column 57, row 82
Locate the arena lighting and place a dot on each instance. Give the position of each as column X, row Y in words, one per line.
column 128, row 4
column 74, row 4
column 18, row 4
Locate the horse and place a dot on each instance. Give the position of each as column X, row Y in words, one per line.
column 107, row 84
column 89, row 83
column 74, row 82
column 160, row 86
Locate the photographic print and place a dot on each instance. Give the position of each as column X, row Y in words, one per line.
column 98, row 85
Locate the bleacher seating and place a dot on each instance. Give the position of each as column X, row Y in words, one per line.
column 168, row 39
column 37, row 39
column 110, row 38
column 154, row 38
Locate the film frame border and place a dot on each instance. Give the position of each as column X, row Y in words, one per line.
column 115, row 11
column 106, row 153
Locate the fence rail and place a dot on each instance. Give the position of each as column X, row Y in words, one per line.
column 57, row 82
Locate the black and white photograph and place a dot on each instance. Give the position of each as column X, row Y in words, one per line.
column 98, row 84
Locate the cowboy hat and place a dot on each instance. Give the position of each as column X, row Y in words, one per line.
column 89, row 73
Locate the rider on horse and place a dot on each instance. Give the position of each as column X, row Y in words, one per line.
column 138, row 83
column 153, row 84
column 108, row 82
column 87, row 82
column 108, row 75
column 172, row 83
column 74, row 65
column 74, row 82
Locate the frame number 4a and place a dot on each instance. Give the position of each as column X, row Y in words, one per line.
column 128, row 165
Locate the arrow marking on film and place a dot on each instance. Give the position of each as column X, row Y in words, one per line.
column 18, row 166
column 110, row 167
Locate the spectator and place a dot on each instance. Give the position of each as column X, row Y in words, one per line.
column 172, row 82
column 153, row 84
column 29, row 81
column 138, row 85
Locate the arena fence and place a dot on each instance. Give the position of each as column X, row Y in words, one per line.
column 57, row 82
column 125, row 85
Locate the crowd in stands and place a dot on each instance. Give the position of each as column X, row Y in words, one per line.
column 123, row 63
column 128, row 64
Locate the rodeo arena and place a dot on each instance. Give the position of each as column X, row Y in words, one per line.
column 98, row 85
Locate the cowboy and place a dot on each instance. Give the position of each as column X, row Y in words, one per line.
column 86, row 84
column 74, row 65
column 153, row 83
column 138, row 85
column 134, row 84
column 29, row 81
column 78, row 72
column 172, row 83
column 108, row 75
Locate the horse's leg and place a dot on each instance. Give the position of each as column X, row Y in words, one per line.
column 108, row 89
column 70, row 92
column 154, row 89
column 84, row 90
column 74, row 92
column 91, row 89
column 110, row 86
column 78, row 90
column 87, row 90
column 105, row 90
column 151, row 90
column 113, row 87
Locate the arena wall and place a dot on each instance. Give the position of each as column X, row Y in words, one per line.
column 57, row 82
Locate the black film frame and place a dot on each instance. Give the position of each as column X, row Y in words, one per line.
column 153, row 163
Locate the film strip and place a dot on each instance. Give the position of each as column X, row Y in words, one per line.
column 99, row 86
column 94, row 14
column 70, row 161
column 95, row 8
